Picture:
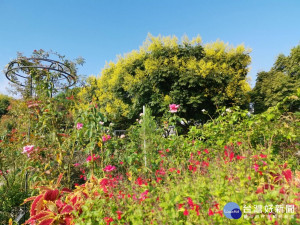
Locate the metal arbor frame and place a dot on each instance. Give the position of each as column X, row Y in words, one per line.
column 21, row 68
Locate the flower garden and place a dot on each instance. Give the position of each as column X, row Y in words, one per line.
column 62, row 162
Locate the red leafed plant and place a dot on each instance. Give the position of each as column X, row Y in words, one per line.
column 54, row 206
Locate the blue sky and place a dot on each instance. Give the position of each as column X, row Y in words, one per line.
column 100, row 30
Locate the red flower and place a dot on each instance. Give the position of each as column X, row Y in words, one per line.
column 282, row 190
column 210, row 212
column 260, row 190
column 178, row 171
column 239, row 157
column 140, row 181
column 256, row 167
column 287, row 174
column 89, row 158
column 220, row 212
column 190, row 202
column 119, row 214
column 180, row 205
column 121, row 163
column 239, row 143
column 205, row 164
column 108, row 220
column 206, row 151
column 109, row 168
column 192, row 168
column 186, row 212
column 249, row 178
column 263, row 156
column 172, row 169
column 216, row 205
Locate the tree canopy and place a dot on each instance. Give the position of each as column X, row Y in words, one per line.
column 163, row 71
column 282, row 80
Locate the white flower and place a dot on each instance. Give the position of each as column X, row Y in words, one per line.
column 101, row 122
column 228, row 110
column 203, row 110
column 141, row 114
column 122, row 136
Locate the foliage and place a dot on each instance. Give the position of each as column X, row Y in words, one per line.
column 163, row 71
column 276, row 130
column 4, row 103
column 282, row 80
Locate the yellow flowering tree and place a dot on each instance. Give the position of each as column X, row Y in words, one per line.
column 165, row 70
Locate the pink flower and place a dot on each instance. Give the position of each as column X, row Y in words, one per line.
column 106, row 138
column 76, row 164
column 28, row 149
column 121, row 163
column 174, row 108
column 256, row 167
column 89, row 158
column 79, row 126
column 109, row 168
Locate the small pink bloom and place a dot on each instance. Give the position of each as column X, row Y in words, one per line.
column 264, row 163
column 174, row 108
column 121, row 163
column 76, row 164
column 28, row 150
column 249, row 178
column 79, row 126
column 106, row 138
column 206, row 151
column 109, row 168
column 89, row 158
column 256, row 167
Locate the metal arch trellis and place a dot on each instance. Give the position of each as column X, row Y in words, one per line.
column 21, row 68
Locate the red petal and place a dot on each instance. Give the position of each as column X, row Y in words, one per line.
column 67, row 209
column 47, row 222
column 287, row 174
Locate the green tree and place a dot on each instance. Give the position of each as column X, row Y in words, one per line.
column 164, row 71
column 282, row 80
